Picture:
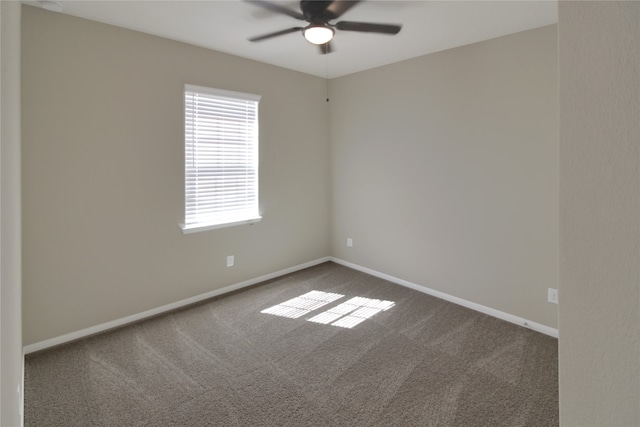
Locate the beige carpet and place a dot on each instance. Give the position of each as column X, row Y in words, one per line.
column 413, row 360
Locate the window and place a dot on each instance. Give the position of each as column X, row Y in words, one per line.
column 221, row 158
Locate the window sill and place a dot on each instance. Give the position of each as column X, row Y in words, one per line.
column 196, row 228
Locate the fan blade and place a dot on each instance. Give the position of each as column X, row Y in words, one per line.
column 366, row 27
column 277, row 33
column 277, row 8
column 325, row 48
column 338, row 7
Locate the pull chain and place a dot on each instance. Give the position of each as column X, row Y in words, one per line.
column 326, row 54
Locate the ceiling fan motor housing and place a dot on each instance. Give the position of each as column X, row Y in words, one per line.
column 315, row 12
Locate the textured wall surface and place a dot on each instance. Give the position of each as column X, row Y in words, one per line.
column 599, row 345
column 445, row 171
column 10, row 254
column 103, row 171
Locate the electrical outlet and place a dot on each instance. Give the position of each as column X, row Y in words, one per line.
column 230, row 261
column 349, row 242
column 552, row 295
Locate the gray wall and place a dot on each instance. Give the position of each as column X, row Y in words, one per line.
column 103, row 173
column 99, row 254
column 445, row 172
column 599, row 342
column 10, row 252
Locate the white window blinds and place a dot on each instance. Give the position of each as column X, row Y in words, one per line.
column 221, row 158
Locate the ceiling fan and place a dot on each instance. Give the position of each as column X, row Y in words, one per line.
column 318, row 14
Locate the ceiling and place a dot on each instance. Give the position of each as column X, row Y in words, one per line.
column 225, row 26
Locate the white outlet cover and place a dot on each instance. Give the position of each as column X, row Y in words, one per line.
column 552, row 295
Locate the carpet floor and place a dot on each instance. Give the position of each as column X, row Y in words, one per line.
column 325, row 346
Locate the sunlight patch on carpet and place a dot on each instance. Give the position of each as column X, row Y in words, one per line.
column 352, row 312
column 304, row 304
column 346, row 315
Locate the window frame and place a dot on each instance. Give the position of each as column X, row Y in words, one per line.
column 190, row 145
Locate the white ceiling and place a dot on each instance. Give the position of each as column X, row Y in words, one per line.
column 225, row 26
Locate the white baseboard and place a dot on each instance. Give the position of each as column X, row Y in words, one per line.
column 472, row 305
column 42, row 345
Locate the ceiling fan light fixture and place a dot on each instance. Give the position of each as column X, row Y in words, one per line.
column 318, row 34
